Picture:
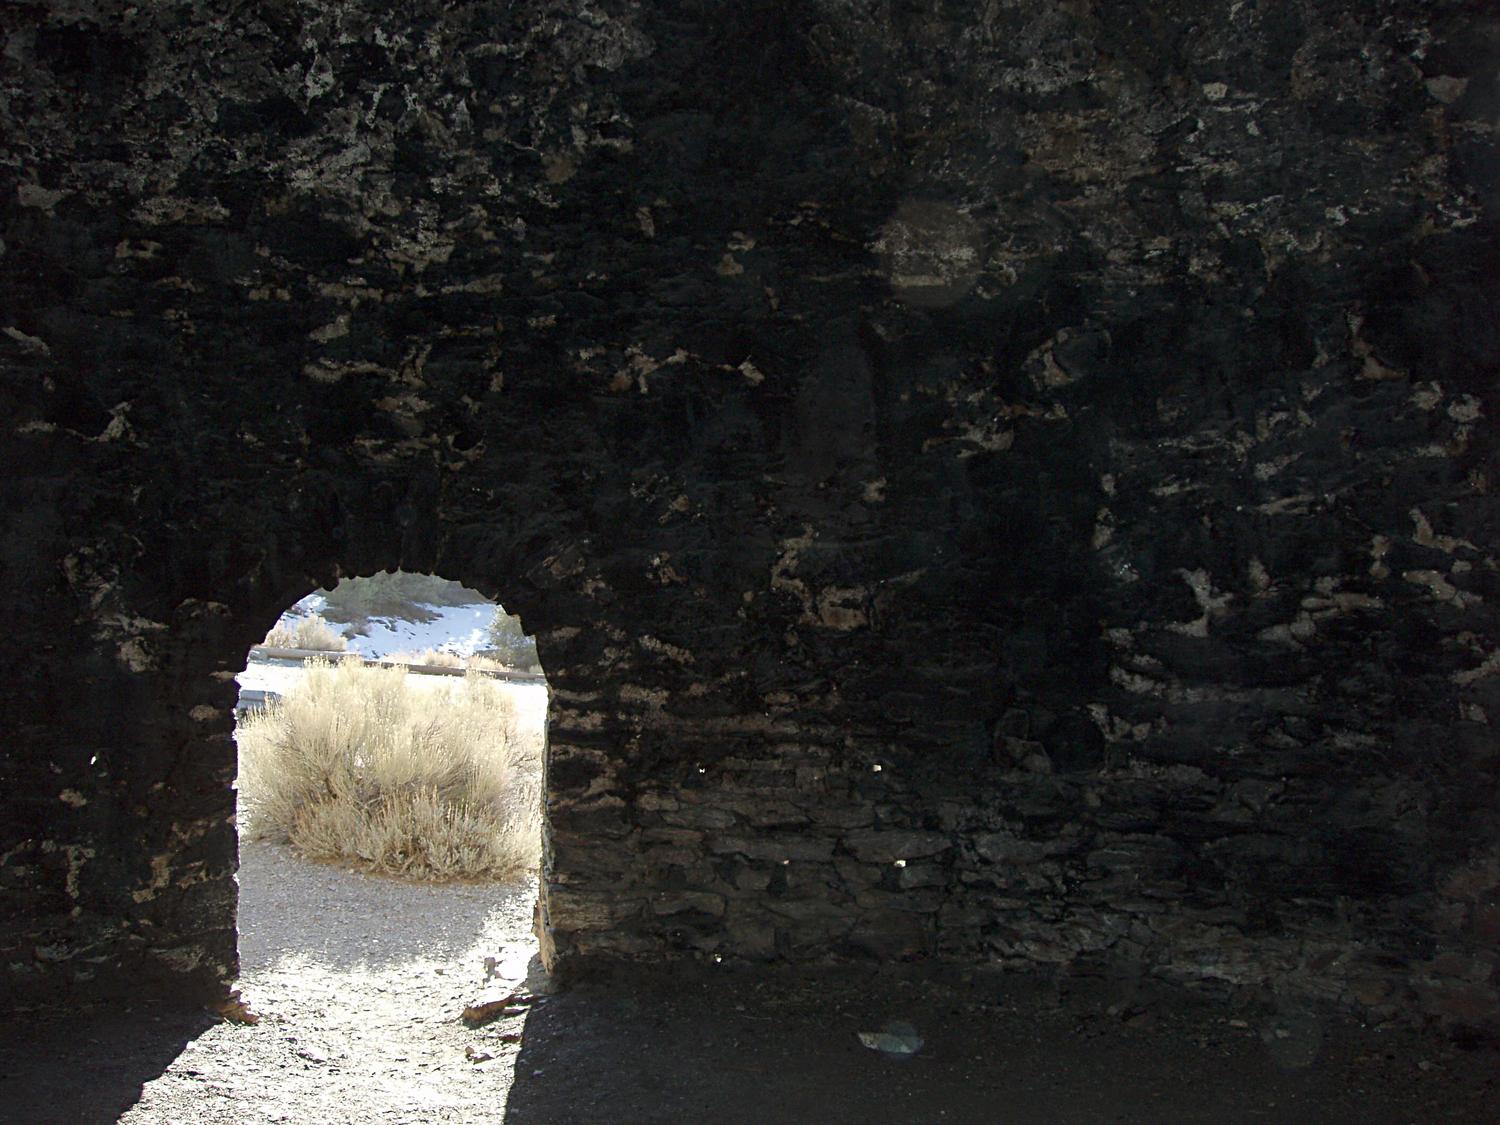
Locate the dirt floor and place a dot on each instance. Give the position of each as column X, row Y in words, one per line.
column 360, row 984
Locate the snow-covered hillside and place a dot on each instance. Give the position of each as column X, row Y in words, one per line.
column 459, row 629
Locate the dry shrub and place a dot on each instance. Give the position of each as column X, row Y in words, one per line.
column 357, row 766
column 430, row 658
column 309, row 632
column 437, row 658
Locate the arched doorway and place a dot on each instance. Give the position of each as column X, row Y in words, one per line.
column 389, row 821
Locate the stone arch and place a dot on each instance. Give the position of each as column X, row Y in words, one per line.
column 167, row 886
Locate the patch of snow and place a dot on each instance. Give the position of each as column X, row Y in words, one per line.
column 459, row 629
column 313, row 603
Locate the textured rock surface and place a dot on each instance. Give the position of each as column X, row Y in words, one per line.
column 1010, row 482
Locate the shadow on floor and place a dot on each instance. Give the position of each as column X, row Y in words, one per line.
column 88, row 1066
column 729, row 1047
column 778, row 1047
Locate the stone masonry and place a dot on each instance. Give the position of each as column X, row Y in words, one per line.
column 1003, row 483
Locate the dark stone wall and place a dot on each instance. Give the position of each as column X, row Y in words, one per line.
column 1007, row 482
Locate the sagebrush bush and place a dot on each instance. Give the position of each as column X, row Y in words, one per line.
column 308, row 632
column 357, row 766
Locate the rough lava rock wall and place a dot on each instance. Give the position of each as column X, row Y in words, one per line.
column 1006, row 482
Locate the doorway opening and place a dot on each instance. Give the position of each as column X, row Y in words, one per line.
column 394, row 724
column 391, row 734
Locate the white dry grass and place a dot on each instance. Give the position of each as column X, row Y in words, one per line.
column 439, row 658
column 307, row 632
column 355, row 766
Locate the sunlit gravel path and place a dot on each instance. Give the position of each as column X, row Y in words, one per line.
column 359, row 983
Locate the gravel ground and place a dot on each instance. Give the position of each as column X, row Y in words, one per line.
column 359, row 983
